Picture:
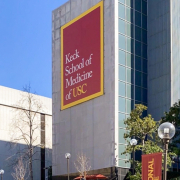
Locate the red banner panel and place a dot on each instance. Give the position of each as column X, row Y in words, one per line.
column 151, row 166
column 82, row 57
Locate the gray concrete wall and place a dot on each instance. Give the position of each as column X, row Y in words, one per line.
column 87, row 127
column 159, row 57
column 175, row 27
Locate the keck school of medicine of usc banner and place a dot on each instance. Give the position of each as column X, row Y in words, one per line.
column 82, row 57
column 151, row 166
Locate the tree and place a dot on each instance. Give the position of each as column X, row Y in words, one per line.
column 173, row 116
column 25, row 129
column 144, row 129
column 82, row 164
column 20, row 170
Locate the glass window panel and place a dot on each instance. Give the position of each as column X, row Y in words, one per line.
column 121, row 163
column 144, row 36
column 137, row 94
column 144, row 114
column 121, row 11
column 122, row 58
column 144, row 76
column 130, row 91
column 128, row 164
column 144, row 65
column 144, row 7
column 121, row 120
column 121, row 138
column 129, row 75
column 121, row 26
column 138, row 19
column 144, row 22
column 122, row 148
column 138, row 5
column 129, row 30
column 129, row 60
column 122, row 74
column 122, row 89
column 122, row 104
column 129, row 14
column 122, row 1
column 138, row 63
column 144, row 95
column 129, row 105
column 137, row 33
column 129, row 44
column 122, row 42
column 129, row 3
column 144, row 51
column 137, row 48
column 138, row 78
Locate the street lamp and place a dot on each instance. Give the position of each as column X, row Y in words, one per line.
column 67, row 156
column 166, row 131
column 133, row 143
column 1, row 172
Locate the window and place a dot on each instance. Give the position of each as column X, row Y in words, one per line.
column 122, row 74
column 129, row 74
column 122, row 104
column 121, row 118
column 130, row 91
column 138, row 5
column 138, row 63
column 122, row 59
column 144, row 65
column 121, row 11
column 137, row 33
column 129, row 60
column 144, row 7
column 122, row 140
column 121, row 26
column 122, row 89
column 137, row 93
column 129, row 3
column 122, row 42
column 144, row 36
column 138, row 19
column 129, row 30
column 129, row 45
column 129, row 105
column 137, row 48
column 144, row 22
column 129, row 14
column 144, row 80
column 122, row 1
column 144, row 51
column 144, row 95
column 138, row 78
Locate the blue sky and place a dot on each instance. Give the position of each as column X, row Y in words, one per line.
column 25, row 44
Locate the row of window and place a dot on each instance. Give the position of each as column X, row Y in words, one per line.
column 127, row 44
column 127, row 90
column 127, row 14
column 127, row 105
column 127, row 29
column 139, row 5
column 127, row 59
column 127, row 75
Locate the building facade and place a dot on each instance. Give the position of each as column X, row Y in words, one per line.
column 141, row 65
column 11, row 108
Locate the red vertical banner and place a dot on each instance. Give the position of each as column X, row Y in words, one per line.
column 152, row 166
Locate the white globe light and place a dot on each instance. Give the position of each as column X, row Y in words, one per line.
column 1, row 171
column 133, row 142
column 67, row 155
column 166, row 130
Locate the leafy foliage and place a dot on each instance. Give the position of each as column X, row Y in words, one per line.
column 144, row 129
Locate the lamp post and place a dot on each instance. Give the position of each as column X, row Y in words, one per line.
column 67, row 156
column 166, row 131
column 133, row 143
column 1, row 172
